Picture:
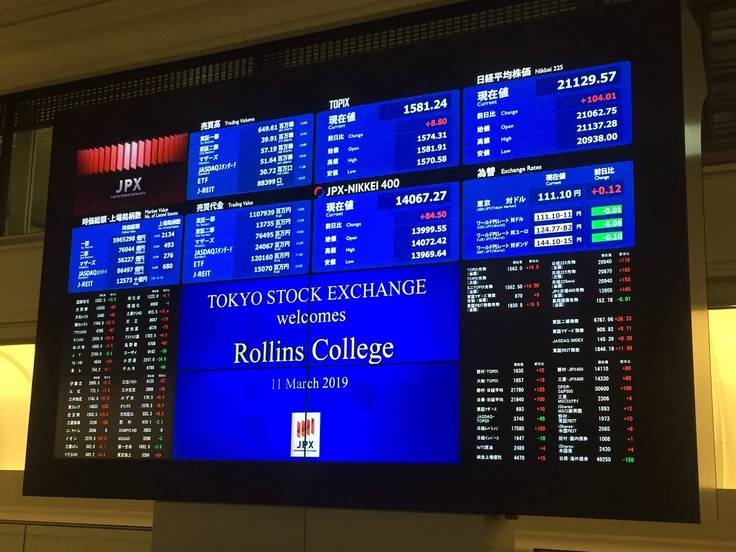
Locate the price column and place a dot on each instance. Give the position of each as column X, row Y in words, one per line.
column 141, row 430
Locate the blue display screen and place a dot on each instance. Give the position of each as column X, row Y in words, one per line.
column 137, row 253
column 247, row 242
column 544, row 114
column 268, row 339
column 396, row 136
column 253, row 157
column 361, row 308
column 387, row 228
column 573, row 209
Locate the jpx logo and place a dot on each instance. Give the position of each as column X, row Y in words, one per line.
column 129, row 185
column 305, row 432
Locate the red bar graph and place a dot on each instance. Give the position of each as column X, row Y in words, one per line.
column 131, row 155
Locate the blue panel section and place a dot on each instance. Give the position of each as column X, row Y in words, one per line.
column 249, row 242
column 391, row 413
column 123, row 255
column 315, row 313
column 421, row 318
column 574, row 209
column 396, row 136
column 387, row 228
column 235, row 415
column 216, row 316
column 397, row 374
column 253, row 157
column 561, row 112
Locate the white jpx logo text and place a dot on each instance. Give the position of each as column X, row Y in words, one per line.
column 129, row 185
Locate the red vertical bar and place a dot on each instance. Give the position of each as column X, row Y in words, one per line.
column 175, row 145
column 120, row 157
column 95, row 159
column 126, row 158
column 154, row 151
column 106, row 160
column 166, row 149
column 147, row 157
column 141, row 153
column 182, row 148
column 92, row 162
column 113, row 158
column 100, row 160
column 133, row 155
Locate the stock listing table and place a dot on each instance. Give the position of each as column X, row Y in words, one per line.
column 252, row 157
column 115, row 394
column 247, row 242
column 387, row 228
column 573, row 209
column 396, row 136
column 565, row 392
column 545, row 114
column 120, row 255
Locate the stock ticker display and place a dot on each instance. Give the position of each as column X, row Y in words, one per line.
column 242, row 326
column 454, row 276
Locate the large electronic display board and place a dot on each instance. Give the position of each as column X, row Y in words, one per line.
column 446, row 276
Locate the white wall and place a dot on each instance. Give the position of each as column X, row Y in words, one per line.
column 20, row 282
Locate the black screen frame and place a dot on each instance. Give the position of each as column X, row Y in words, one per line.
column 656, row 489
